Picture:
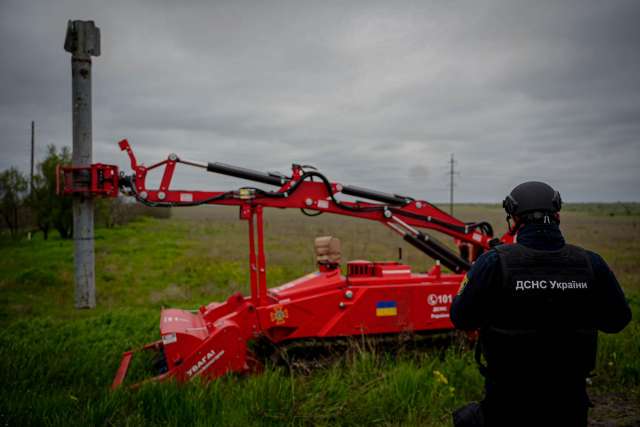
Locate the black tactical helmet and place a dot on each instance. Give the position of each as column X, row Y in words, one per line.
column 532, row 196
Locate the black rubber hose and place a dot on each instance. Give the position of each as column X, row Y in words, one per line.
column 145, row 202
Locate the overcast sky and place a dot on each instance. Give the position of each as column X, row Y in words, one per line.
column 373, row 94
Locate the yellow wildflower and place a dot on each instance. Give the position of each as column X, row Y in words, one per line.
column 440, row 377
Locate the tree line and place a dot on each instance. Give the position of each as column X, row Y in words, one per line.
column 39, row 209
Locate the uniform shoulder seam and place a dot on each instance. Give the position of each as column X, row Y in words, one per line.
column 505, row 247
column 569, row 245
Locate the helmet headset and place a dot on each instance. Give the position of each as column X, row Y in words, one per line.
column 532, row 202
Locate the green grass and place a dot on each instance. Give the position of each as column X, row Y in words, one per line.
column 56, row 363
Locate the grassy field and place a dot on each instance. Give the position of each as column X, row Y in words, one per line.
column 56, row 363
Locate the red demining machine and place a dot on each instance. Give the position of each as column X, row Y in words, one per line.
column 372, row 298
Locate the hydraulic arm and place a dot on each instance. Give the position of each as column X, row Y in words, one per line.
column 309, row 190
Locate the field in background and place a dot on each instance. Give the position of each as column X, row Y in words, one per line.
column 56, row 363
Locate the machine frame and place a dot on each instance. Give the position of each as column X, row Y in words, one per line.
column 373, row 298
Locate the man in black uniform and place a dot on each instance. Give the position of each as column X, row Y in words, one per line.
column 538, row 304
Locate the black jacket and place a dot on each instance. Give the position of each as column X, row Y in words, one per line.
column 525, row 392
column 473, row 306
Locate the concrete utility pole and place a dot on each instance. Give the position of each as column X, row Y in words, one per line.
column 83, row 42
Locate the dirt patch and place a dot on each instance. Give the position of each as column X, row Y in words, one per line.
column 170, row 293
column 614, row 409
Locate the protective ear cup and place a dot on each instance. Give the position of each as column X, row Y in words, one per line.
column 510, row 204
column 557, row 201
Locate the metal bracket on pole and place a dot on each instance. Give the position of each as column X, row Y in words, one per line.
column 83, row 38
column 83, row 42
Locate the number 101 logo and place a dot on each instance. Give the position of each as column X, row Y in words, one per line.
column 438, row 299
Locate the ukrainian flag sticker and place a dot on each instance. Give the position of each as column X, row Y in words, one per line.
column 386, row 308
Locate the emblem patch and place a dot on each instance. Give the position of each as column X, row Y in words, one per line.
column 279, row 315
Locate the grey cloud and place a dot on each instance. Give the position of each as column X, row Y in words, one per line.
column 369, row 92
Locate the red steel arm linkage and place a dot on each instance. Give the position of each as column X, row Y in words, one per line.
column 294, row 192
